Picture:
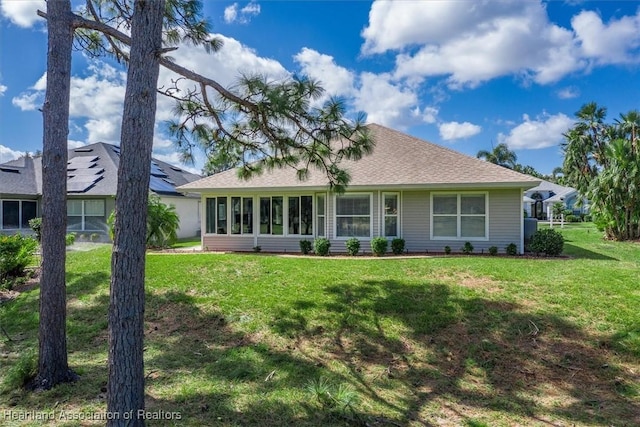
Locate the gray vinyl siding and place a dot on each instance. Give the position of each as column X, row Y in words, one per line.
column 414, row 213
column 505, row 219
column 223, row 242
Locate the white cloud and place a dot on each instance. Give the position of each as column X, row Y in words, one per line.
column 613, row 43
column 384, row 102
column 568, row 92
column 336, row 80
column 3, row 89
column 28, row 101
column 22, row 12
column 71, row 143
column 544, row 131
column 455, row 130
column 472, row 42
column 233, row 13
column 7, row 154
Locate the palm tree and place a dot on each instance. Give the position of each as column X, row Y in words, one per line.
column 500, row 155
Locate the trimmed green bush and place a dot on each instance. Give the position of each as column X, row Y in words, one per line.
column 305, row 246
column 16, row 253
column 353, row 246
column 397, row 246
column 511, row 249
column 379, row 245
column 493, row 250
column 447, row 250
column 547, row 241
column 467, row 248
column 36, row 226
column 321, row 246
column 70, row 239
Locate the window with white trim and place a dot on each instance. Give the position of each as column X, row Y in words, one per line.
column 459, row 216
column 390, row 214
column 300, row 218
column 272, row 215
column 353, row 215
column 16, row 214
column 320, row 215
column 86, row 215
column 241, row 215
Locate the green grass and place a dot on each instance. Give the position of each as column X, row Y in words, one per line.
column 269, row 341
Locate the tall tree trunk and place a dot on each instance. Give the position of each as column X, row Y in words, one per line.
column 126, row 308
column 53, row 368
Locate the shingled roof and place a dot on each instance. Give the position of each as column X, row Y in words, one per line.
column 92, row 170
column 398, row 161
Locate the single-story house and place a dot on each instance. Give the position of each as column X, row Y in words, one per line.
column 92, row 173
column 429, row 195
column 538, row 201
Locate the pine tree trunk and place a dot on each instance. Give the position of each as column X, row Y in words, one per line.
column 125, row 400
column 53, row 368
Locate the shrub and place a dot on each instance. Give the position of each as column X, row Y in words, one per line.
column 162, row 223
column 572, row 218
column 22, row 371
column 379, row 245
column 16, row 253
column 321, row 246
column 36, row 226
column 547, row 241
column 467, row 248
column 511, row 249
column 305, row 246
column 257, row 248
column 397, row 246
column 493, row 250
column 70, row 239
column 447, row 250
column 353, row 246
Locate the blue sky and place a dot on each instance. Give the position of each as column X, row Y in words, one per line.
column 466, row 74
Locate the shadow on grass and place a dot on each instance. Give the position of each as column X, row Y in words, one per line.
column 580, row 252
column 472, row 353
column 416, row 354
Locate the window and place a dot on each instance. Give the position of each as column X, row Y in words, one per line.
column 86, row 215
column 11, row 214
column 272, row 215
column 210, row 213
column 301, row 215
column 221, row 210
column 320, row 214
column 241, row 215
column 353, row 215
column 459, row 216
column 390, row 207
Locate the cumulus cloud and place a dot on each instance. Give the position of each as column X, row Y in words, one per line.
column 234, row 13
column 384, row 101
column 23, row 12
column 3, row 89
column 336, row 80
column 454, row 130
column 7, row 154
column 470, row 43
column 542, row 132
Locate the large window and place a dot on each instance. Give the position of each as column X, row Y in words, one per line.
column 17, row 213
column 459, row 216
column 300, row 215
column 353, row 215
column 86, row 215
column 241, row 215
column 272, row 215
column 391, row 207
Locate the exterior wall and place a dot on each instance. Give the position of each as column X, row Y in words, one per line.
column 504, row 216
column 188, row 210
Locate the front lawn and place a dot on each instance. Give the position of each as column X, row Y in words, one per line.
column 272, row 341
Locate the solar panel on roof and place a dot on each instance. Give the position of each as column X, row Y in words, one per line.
column 89, row 171
column 82, row 183
column 158, row 185
column 157, row 171
column 10, row 170
column 83, row 159
column 83, row 150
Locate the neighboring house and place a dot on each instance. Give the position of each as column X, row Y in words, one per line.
column 425, row 193
column 92, row 173
column 538, row 201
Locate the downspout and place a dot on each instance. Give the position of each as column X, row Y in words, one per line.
column 521, row 223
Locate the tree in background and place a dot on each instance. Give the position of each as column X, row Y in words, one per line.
column 500, row 155
column 602, row 161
